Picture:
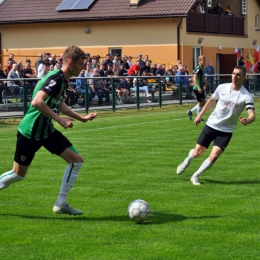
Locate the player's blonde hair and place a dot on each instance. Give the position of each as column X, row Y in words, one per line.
column 201, row 57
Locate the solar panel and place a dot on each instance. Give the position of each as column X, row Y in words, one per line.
column 83, row 4
column 74, row 5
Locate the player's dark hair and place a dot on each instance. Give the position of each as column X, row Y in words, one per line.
column 242, row 68
column 73, row 53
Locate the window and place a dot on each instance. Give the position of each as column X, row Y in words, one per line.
column 196, row 54
column 240, row 51
column 114, row 51
column 257, row 21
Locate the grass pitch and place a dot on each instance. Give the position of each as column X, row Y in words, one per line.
column 134, row 155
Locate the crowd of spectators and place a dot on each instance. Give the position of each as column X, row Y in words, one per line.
column 218, row 9
column 90, row 78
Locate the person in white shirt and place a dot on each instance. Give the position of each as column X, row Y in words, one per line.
column 232, row 99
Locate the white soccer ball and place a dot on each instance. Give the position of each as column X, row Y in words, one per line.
column 138, row 210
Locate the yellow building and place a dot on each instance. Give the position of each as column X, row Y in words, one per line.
column 166, row 30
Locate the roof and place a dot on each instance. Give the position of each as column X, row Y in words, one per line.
column 33, row 11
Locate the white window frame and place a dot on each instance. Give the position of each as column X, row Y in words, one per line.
column 196, row 52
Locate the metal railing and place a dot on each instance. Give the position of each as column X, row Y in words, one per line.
column 252, row 83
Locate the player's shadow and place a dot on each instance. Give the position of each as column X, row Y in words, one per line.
column 155, row 218
column 244, row 182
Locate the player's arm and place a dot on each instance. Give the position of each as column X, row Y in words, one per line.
column 196, row 83
column 64, row 109
column 205, row 108
column 39, row 103
column 250, row 119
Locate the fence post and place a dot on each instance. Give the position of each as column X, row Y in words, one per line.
column 137, row 94
column 24, row 98
column 86, row 97
column 113, row 95
column 160, row 94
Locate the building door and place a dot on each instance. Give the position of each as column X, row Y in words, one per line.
column 225, row 65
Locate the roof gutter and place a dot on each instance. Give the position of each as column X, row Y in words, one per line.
column 178, row 39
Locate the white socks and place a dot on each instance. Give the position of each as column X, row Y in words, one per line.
column 204, row 166
column 194, row 109
column 190, row 157
column 198, row 109
column 69, row 177
column 7, row 178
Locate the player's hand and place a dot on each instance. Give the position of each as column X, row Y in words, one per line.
column 243, row 121
column 197, row 120
column 90, row 117
column 66, row 122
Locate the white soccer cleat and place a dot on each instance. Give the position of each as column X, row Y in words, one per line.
column 66, row 209
column 195, row 180
column 182, row 167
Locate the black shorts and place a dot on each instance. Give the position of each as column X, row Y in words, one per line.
column 26, row 148
column 208, row 134
column 200, row 96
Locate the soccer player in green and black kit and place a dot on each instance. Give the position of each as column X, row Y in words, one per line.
column 198, row 80
column 36, row 129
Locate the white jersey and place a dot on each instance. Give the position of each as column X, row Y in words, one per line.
column 230, row 105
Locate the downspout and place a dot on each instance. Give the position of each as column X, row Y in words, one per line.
column 178, row 39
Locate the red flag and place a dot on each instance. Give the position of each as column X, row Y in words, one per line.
column 236, row 51
column 256, row 54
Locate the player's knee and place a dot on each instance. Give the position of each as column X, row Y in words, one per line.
column 213, row 158
column 197, row 153
column 79, row 159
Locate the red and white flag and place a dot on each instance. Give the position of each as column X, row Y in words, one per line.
column 236, row 51
column 256, row 54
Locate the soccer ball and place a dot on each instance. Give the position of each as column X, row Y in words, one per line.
column 138, row 210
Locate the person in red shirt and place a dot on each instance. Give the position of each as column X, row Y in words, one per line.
column 135, row 69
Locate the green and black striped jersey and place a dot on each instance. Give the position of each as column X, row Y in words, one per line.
column 36, row 125
column 199, row 71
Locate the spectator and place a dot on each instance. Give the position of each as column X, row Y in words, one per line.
column 160, row 71
column 116, row 61
column 107, row 61
column 170, row 81
column 154, row 68
column 147, row 66
column 142, row 88
column 241, row 62
column 43, row 72
column 218, row 9
column 140, row 57
column 135, row 69
column 125, row 62
column 9, row 65
column 52, row 59
column 38, row 62
column 183, row 82
column 228, row 10
column 81, row 86
column 27, row 73
column 88, row 71
column 13, row 74
column 202, row 7
column 2, row 84
column 98, row 60
column 58, row 66
column 101, row 70
column 126, row 84
column 146, row 58
column 122, row 71
column 129, row 61
column 71, row 98
column 209, row 70
column 51, row 67
column 196, row 8
column 45, row 62
column 98, row 85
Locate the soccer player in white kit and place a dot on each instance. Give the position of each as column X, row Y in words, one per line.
column 232, row 99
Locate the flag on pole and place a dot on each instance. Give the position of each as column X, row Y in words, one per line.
column 256, row 54
column 249, row 61
column 236, row 51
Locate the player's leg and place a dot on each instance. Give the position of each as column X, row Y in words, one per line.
column 24, row 154
column 221, row 141
column 207, row 164
column 60, row 145
column 193, row 153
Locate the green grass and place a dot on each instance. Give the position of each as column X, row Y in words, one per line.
column 130, row 155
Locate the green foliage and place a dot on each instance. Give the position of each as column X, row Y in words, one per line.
column 134, row 155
